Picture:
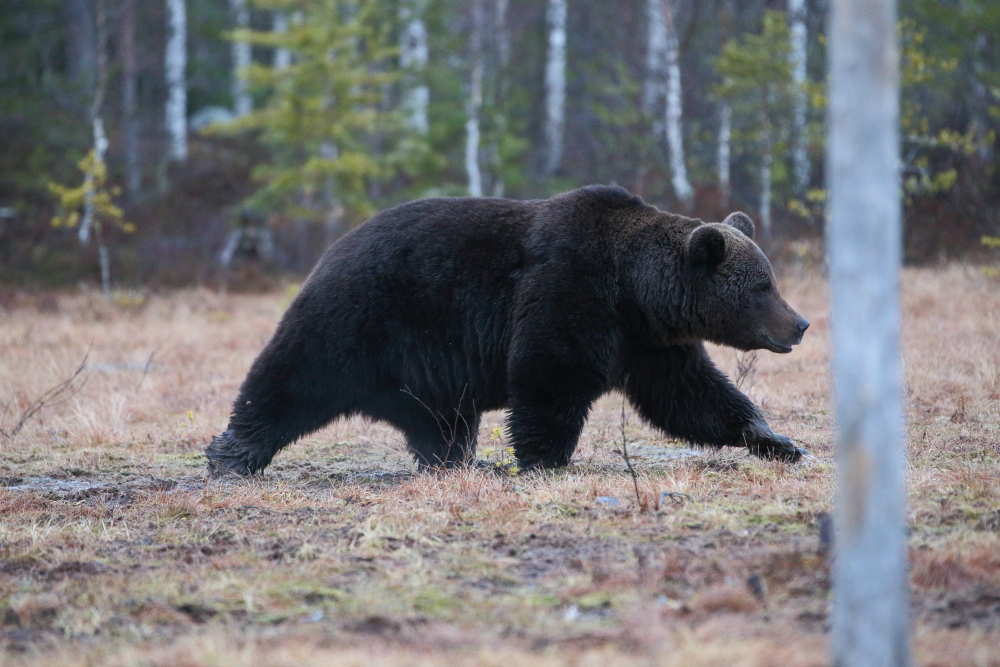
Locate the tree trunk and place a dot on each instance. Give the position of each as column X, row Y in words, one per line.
column 500, row 91
column 130, row 120
column 282, row 57
column 871, row 609
column 654, row 84
column 475, row 100
column 723, row 152
column 242, row 102
column 673, row 117
column 797, row 12
column 176, row 63
column 555, row 85
column 767, row 161
column 413, row 55
column 81, row 43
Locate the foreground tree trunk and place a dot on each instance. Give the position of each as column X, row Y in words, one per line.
column 797, row 12
column 870, row 612
column 555, row 85
column 242, row 102
column 176, row 63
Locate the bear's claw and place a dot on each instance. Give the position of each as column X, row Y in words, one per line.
column 773, row 447
column 226, row 458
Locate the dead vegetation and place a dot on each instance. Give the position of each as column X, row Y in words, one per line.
column 114, row 551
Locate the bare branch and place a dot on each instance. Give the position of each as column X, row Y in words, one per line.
column 57, row 395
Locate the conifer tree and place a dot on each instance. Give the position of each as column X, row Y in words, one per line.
column 322, row 113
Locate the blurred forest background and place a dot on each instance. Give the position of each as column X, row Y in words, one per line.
column 164, row 140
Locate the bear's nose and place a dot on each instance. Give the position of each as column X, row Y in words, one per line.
column 803, row 324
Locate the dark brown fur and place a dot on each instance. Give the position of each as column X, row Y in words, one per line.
column 438, row 310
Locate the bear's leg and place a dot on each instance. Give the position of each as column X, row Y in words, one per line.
column 545, row 426
column 679, row 390
column 288, row 393
column 445, row 438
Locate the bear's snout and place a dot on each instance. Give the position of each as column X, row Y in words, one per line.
column 803, row 324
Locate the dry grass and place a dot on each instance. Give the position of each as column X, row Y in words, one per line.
column 113, row 550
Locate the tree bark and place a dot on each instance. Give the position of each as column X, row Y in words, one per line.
column 282, row 57
column 474, row 102
column 176, row 63
column 871, row 609
column 654, row 84
column 242, row 102
column 673, row 117
column 555, row 84
column 413, row 56
column 797, row 12
column 81, row 42
column 723, row 152
column 130, row 120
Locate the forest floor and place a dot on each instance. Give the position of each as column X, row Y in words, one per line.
column 114, row 550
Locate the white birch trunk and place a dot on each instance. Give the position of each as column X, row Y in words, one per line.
column 241, row 54
column 475, row 101
column 282, row 57
column 767, row 160
column 413, row 56
column 176, row 63
column 130, row 120
column 674, row 115
column 100, row 148
column 797, row 12
column 871, row 609
column 723, row 152
column 501, row 88
column 654, row 85
column 555, row 84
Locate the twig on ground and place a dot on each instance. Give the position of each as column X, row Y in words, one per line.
column 149, row 365
column 624, row 451
column 58, row 394
column 746, row 369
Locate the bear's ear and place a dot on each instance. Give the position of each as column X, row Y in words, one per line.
column 740, row 221
column 707, row 246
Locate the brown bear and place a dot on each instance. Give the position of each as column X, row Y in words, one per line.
column 435, row 311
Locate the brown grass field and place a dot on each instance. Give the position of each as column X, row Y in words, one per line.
column 115, row 551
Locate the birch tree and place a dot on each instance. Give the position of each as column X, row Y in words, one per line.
column 413, row 56
column 757, row 83
column 663, row 86
column 723, row 151
column 797, row 13
column 176, row 63
column 130, row 119
column 870, row 612
column 242, row 102
column 282, row 56
column 474, row 102
column 673, row 117
column 555, row 84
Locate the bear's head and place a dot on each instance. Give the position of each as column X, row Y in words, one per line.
column 733, row 291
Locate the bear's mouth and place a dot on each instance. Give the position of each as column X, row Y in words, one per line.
column 775, row 346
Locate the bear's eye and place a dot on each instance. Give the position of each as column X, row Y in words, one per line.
column 764, row 286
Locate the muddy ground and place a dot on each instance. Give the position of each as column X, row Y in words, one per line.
column 114, row 549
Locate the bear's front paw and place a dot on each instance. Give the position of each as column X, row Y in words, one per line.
column 226, row 458
column 770, row 446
